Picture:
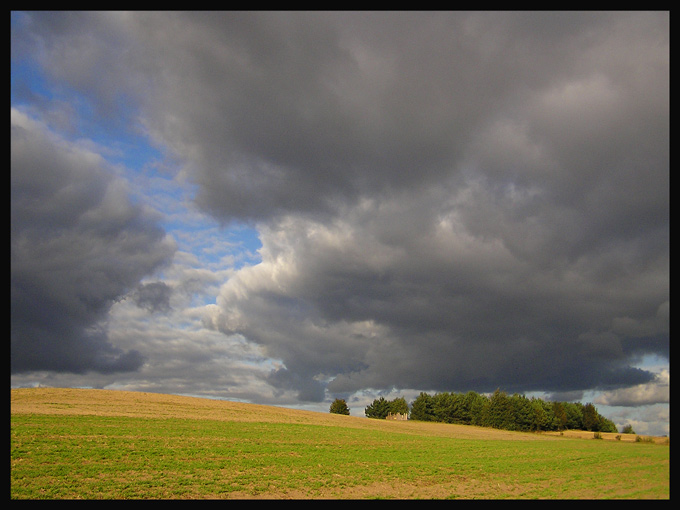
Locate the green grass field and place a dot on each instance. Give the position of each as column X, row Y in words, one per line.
column 80, row 444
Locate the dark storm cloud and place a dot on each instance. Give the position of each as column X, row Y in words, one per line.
column 301, row 111
column 445, row 201
column 442, row 310
column 77, row 245
column 505, row 203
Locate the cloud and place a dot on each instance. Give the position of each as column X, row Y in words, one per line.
column 655, row 392
column 153, row 296
column 304, row 112
column 438, row 207
column 445, row 201
column 362, row 304
column 77, row 245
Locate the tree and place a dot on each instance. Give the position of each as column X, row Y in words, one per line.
column 339, row 406
column 521, row 414
column 501, row 413
column 591, row 419
column 378, row 409
column 560, row 415
column 551, row 422
column 422, row 408
column 477, row 406
column 574, row 411
column 628, row 429
column 398, row 406
column 606, row 425
column 539, row 417
column 445, row 406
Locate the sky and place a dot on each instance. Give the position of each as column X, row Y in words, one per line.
column 286, row 208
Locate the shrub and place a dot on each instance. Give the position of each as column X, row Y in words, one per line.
column 339, row 406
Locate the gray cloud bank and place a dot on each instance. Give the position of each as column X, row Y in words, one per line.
column 77, row 245
column 446, row 201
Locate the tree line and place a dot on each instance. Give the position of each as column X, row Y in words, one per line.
column 499, row 410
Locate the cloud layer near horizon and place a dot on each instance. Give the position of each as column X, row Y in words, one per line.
column 445, row 201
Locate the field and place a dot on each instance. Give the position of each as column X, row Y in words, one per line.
column 99, row 444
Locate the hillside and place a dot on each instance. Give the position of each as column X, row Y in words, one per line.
column 102, row 444
column 154, row 405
